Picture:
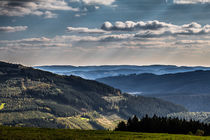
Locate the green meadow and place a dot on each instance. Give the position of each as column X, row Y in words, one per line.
column 16, row 133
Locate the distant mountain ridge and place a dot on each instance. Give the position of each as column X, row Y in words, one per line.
column 195, row 82
column 94, row 72
column 31, row 97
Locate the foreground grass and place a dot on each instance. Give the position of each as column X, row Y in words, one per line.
column 14, row 133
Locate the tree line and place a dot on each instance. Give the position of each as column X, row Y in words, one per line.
column 169, row 125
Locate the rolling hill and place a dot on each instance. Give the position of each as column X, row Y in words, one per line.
column 189, row 89
column 31, row 97
column 94, row 72
column 196, row 82
column 193, row 102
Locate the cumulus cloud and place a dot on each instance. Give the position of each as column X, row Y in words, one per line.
column 85, row 30
column 133, row 26
column 187, row 29
column 156, row 28
column 33, row 7
column 13, row 28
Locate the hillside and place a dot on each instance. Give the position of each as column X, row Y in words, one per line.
column 31, row 97
column 197, row 116
column 193, row 102
column 189, row 89
column 196, row 82
column 207, row 120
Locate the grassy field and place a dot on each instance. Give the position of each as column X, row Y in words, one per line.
column 14, row 133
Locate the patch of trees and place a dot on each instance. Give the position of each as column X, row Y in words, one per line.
column 157, row 124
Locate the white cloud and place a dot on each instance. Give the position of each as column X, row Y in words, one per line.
column 133, row 26
column 85, row 30
column 192, row 25
column 55, row 5
column 33, row 7
column 13, row 28
column 34, row 43
column 49, row 14
column 95, row 2
column 115, row 37
column 107, row 26
column 156, row 28
column 91, row 5
column 45, row 7
column 100, row 38
column 98, row 2
column 81, row 14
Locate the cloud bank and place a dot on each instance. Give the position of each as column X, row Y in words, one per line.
column 45, row 7
column 136, row 42
column 156, row 28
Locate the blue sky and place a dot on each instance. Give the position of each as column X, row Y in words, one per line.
column 98, row 32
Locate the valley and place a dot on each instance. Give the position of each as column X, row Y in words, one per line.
column 185, row 86
column 35, row 98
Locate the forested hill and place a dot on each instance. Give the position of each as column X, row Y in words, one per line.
column 196, row 82
column 31, row 97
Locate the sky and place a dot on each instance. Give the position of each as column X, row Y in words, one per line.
column 105, row 32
